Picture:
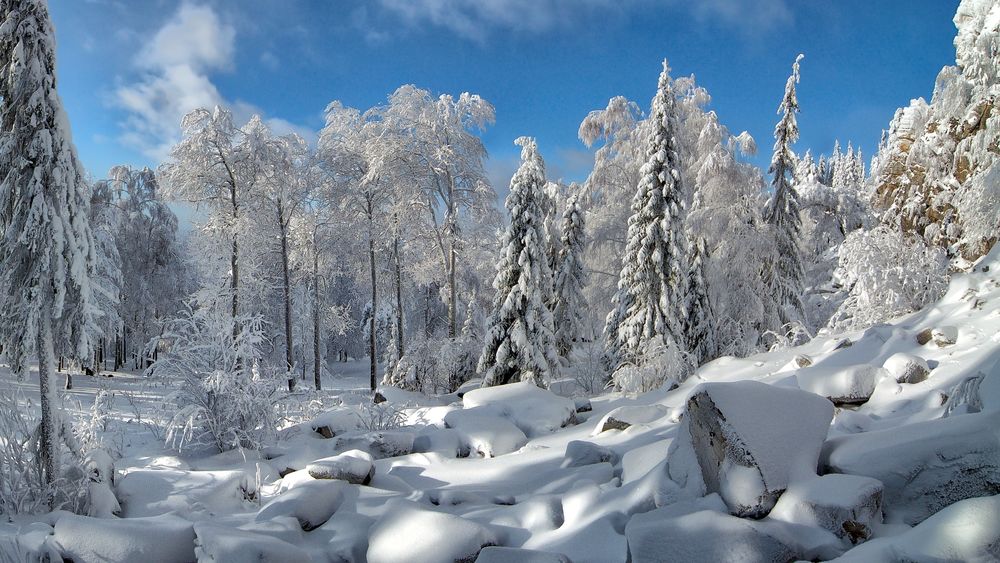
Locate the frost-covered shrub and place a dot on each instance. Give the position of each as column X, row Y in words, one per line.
column 376, row 417
column 23, row 490
column 224, row 400
column 588, row 366
column 435, row 366
column 886, row 275
column 658, row 364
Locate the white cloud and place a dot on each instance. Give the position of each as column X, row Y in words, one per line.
column 175, row 70
column 476, row 19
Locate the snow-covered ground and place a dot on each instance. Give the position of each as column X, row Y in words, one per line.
column 907, row 471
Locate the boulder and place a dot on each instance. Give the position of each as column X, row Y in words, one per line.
column 496, row 554
column 746, row 441
column 535, row 411
column 703, row 536
column 222, row 544
column 580, row 453
column 583, row 405
column 630, row 415
column 407, row 532
column 311, row 503
column 445, row 441
column 846, row 505
column 167, row 538
column 354, row 466
column 924, row 466
column 381, row 445
column 336, row 422
column 907, row 368
column 485, row 434
column 844, row 385
column 944, row 336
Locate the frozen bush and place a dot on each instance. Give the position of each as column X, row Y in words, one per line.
column 224, row 401
column 435, row 367
column 886, row 275
column 658, row 363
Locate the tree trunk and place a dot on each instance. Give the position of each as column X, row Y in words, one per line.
column 371, row 321
column 399, row 299
column 46, row 365
column 316, row 359
column 452, row 300
column 287, row 294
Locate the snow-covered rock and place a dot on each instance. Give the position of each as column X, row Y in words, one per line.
column 846, row 505
column 222, row 544
column 944, row 336
column 746, row 441
column 350, row 537
column 31, row 543
column 381, row 445
column 406, row 532
column 311, row 503
column 336, row 422
column 706, row 535
column 841, row 384
column 353, row 466
column 924, row 466
column 630, row 415
column 163, row 539
column 496, row 554
column 485, row 434
column 907, row 368
column 534, row 410
column 445, row 441
column 579, row 453
column 102, row 501
column 968, row 530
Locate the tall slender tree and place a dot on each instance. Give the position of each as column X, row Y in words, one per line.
column 519, row 340
column 783, row 273
column 570, row 278
column 47, row 251
column 651, row 301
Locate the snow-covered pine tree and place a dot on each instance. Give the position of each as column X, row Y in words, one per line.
column 700, row 326
column 519, row 339
column 47, row 252
column 651, row 301
column 784, row 274
column 570, row 278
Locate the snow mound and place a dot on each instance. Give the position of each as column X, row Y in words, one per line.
column 535, row 411
column 968, row 530
column 381, row 445
column 447, row 442
column 495, row 554
column 311, row 503
column 486, row 434
column 336, row 422
column 703, row 536
column 163, row 539
column 408, row 533
column 924, row 466
column 354, row 466
column 842, row 385
column 222, row 544
column 725, row 446
column 580, row 453
column 845, row 505
column 630, row 415
column 907, row 368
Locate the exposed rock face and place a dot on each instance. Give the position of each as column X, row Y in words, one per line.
column 746, row 458
column 933, row 171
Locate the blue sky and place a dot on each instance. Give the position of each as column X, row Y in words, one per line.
column 128, row 69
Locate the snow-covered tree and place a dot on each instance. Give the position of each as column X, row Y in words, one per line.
column 699, row 327
column 570, row 278
column 651, row 302
column 784, row 274
column 47, row 251
column 519, row 339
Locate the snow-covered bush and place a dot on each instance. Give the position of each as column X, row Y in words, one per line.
column 436, row 366
column 658, row 364
column 588, row 366
column 886, row 275
column 23, row 489
column 224, row 400
column 376, row 417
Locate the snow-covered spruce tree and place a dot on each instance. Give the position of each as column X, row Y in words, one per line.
column 519, row 342
column 651, row 302
column 569, row 304
column 784, row 274
column 699, row 328
column 47, row 253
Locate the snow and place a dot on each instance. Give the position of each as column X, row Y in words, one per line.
column 163, row 539
column 851, row 384
column 311, row 503
column 534, row 410
column 354, row 466
column 485, row 434
column 221, row 544
column 409, row 533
